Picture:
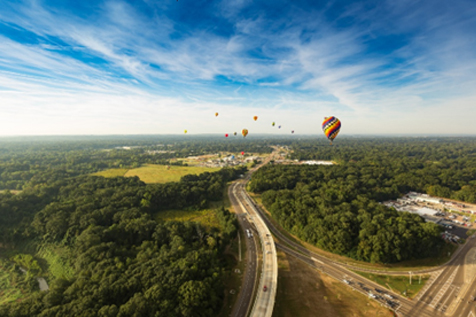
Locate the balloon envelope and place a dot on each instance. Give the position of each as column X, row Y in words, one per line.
column 242, row 153
column 216, row 114
column 279, row 127
column 273, row 124
column 244, row 132
column 226, row 135
column 331, row 127
column 184, row 131
column 292, row 131
column 235, row 133
column 255, row 118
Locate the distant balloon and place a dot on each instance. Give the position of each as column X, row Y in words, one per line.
column 279, row 127
column 273, row 124
column 234, row 133
column 255, row 118
column 331, row 127
column 185, row 131
column 232, row 157
column 242, row 153
column 292, row 131
column 226, row 135
column 216, row 114
column 244, row 132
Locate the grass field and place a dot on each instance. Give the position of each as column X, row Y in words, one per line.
column 13, row 191
column 156, row 173
column 398, row 284
column 205, row 217
column 303, row 291
column 56, row 263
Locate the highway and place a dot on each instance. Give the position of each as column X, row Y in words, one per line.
column 245, row 296
column 448, row 292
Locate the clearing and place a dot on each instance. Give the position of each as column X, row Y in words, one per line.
column 398, row 284
column 304, row 291
column 151, row 173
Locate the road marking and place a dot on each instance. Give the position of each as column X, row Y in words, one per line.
column 314, row 259
column 444, row 289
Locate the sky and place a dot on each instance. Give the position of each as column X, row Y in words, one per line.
column 160, row 67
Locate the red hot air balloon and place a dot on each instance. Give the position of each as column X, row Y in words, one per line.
column 242, row 153
column 226, row 135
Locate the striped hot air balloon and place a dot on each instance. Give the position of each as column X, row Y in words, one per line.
column 244, row 132
column 331, row 127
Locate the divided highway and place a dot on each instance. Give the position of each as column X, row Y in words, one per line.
column 449, row 292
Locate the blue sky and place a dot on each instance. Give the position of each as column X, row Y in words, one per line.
column 140, row 67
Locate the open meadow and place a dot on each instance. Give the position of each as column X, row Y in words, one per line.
column 151, row 173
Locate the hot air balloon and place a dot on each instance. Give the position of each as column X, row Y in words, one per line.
column 331, row 127
column 185, row 131
column 216, row 114
column 292, row 131
column 234, row 133
column 255, row 118
column 232, row 157
column 279, row 127
column 226, row 135
column 273, row 124
column 244, row 132
column 242, row 153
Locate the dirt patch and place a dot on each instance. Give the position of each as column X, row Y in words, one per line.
column 303, row 291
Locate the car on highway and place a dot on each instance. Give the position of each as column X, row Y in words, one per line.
column 346, row 282
column 372, row 295
column 265, row 288
column 389, row 296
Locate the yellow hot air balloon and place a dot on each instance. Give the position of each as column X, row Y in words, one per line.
column 244, row 132
column 273, row 124
column 184, row 131
column 255, row 118
column 216, row 114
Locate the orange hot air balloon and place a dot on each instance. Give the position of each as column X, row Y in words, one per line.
column 255, row 118
column 226, row 135
column 216, row 114
column 244, row 132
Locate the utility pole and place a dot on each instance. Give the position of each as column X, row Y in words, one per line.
column 410, row 277
column 420, row 280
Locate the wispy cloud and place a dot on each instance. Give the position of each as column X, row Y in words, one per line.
column 129, row 62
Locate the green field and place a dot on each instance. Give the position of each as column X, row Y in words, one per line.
column 398, row 284
column 157, row 173
column 205, row 217
column 56, row 261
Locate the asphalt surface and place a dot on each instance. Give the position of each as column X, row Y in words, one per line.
column 442, row 298
column 448, row 292
column 245, row 296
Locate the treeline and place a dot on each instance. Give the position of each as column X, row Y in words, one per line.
column 29, row 162
column 444, row 167
column 338, row 207
column 125, row 262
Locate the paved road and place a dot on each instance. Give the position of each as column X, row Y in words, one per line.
column 446, row 294
column 245, row 296
column 437, row 299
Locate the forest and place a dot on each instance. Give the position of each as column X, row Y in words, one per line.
column 338, row 208
column 125, row 262
column 27, row 162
